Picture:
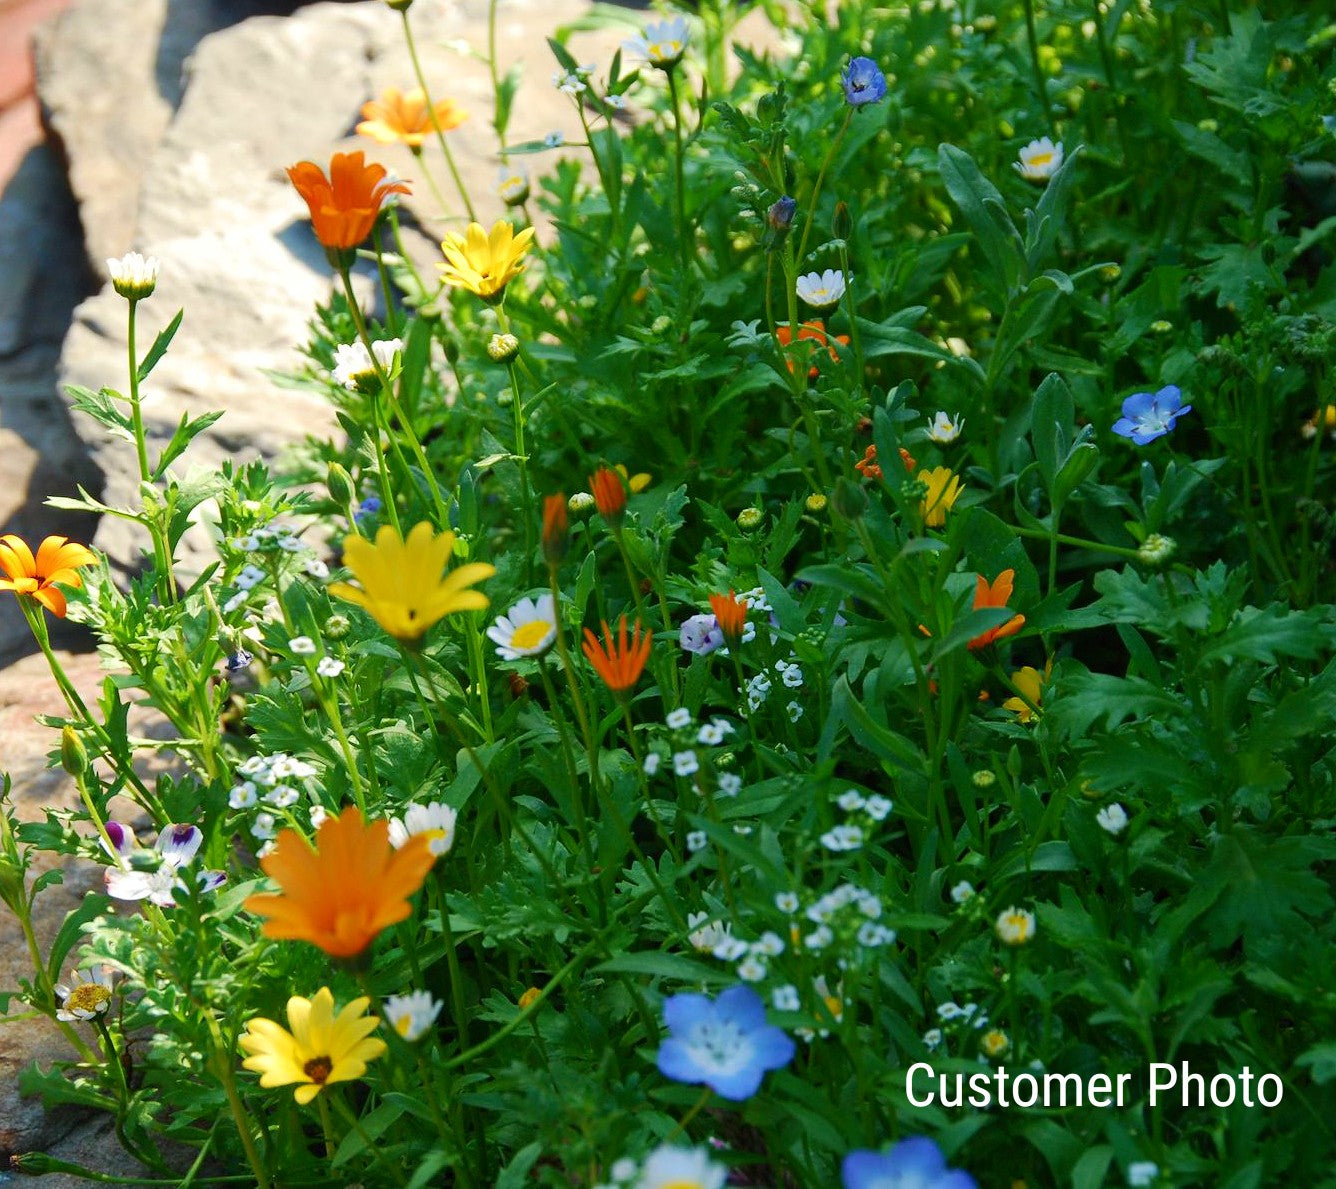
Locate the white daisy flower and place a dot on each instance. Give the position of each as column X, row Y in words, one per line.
column 529, row 629
column 681, row 1168
column 662, row 44
column 134, row 276
column 821, row 290
column 436, row 820
column 412, row 1014
column 945, row 429
column 962, row 891
column 88, row 996
column 785, row 998
column 752, row 969
column 1039, row 160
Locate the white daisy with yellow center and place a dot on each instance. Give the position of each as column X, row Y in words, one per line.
column 662, row 44
column 821, row 290
column 436, row 820
column 1040, row 160
column 1015, row 926
column 88, row 997
column 412, row 1014
column 681, row 1168
column 529, row 629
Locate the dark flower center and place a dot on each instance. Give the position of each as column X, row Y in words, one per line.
column 318, row 1069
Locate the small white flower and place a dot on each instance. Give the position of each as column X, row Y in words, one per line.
column 243, row 795
column 354, row 366
column 1112, row 818
column 850, row 800
column 819, row 938
column 263, row 826
column 302, row 646
column 412, row 1014
column 291, row 544
column 329, row 666
column 134, row 276
column 729, row 948
column 528, row 629
column 794, row 711
column 1015, row 926
column 873, row 934
column 250, row 577
column 568, row 82
column 709, row 734
column 652, row 762
column 821, row 290
column 319, row 815
column 623, row 1169
column 668, row 1166
column 769, row 943
column 793, row 677
column 281, row 796
column 752, row 969
column 679, row 718
column 554, row 140
column 730, row 784
column 785, row 998
column 247, row 544
column 877, row 807
column 945, row 429
column 317, row 569
column 1039, row 160
column 1141, row 1173
column 843, row 838
column 685, row 763
column 617, row 102
column 662, row 44
column 787, row 902
column 697, row 840
column 949, row 1010
column 962, row 891
column 235, row 603
column 704, row 933
column 932, row 1039
column 436, row 820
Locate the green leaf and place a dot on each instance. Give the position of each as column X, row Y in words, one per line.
column 982, row 205
column 71, row 930
column 181, row 438
column 657, row 964
column 160, row 345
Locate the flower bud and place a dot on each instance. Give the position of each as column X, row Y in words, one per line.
column 849, row 499
column 580, row 505
column 749, row 519
column 503, row 348
column 133, row 276
column 780, row 215
column 340, row 484
column 1155, row 550
column 337, row 627
column 815, row 503
column 843, row 222
column 556, row 531
column 73, row 754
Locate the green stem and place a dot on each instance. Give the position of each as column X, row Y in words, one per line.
column 684, row 240
column 522, row 459
column 431, row 115
column 1041, row 91
column 820, row 179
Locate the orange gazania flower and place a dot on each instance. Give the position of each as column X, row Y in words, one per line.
column 343, row 206
column 996, row 594
column 340, row 893
column 731, row 615
column 619, row 664
column 58, row 560
column 815, row 331
column 405, row 118
column 609, row 494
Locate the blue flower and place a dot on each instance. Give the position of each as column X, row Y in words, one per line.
column 911, row 1164
column 723, row 1043
column 1146, row 417
column 863, row 82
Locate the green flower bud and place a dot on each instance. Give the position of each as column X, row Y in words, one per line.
column 340, row 484
column 503, row 348
column 749, row 519
column 73, row 754
column 849, row 499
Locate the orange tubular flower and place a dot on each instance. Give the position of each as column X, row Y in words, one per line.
column 57, row 560
column 343, row 206
column 996, row 594
column 556, row 534
column 619, row 664
column 342, row 892
column 731, row 615
column 814, row 331
column 404, row 117
column 609, row 495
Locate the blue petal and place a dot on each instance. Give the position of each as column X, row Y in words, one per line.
column 917, row 1157
column 676, row 1062
column 682, row 1011
column 743, row 1006
column 1141, row 435
column 1138, row 405
column 1169, row 397
column 1124, row 427
column 862, row 1170
column 772, row 1048
column 735, row 1086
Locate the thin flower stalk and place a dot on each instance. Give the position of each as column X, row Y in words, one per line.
column 685, row 237
column 431, row 112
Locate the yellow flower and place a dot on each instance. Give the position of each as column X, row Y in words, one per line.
column 321, row 1048
column 994, row 1043
column 485, row 263
column 342, row 892
column 405, row 117
column 404, row 587
column 943, row 491
column 1030, row 681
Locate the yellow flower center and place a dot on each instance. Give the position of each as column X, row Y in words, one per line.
column 661, row 51
column 404, row 1024
column 530, row 635
column 318, row 1069
column 682, row 1185
column 88, row 997
column 835, row 1006
column 1041, row 159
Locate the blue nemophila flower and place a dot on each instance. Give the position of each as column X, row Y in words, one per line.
column 1146, row 417
column 723, row 1043
column 916, row 1162
column 863, row 82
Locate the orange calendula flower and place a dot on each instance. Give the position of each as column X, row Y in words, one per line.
column 485, row 262
column 344, row 205
column 340, row 893
column 996, row 594
column 814, row 331
column 731, row 615
column 618, row 663
column 400, row 117
column 943, row 490
column 405, row 586
column 609, row 490
column 58, row 560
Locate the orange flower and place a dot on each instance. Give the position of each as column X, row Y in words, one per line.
column 815, row 331
column 343, row 206
column 57, row 560
column 405, row 118
column 342, row 892
column 618, row 664
column 995, row 594
column 731, row 615
column 609, row 495
column 556, row 536
column 870, row 468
